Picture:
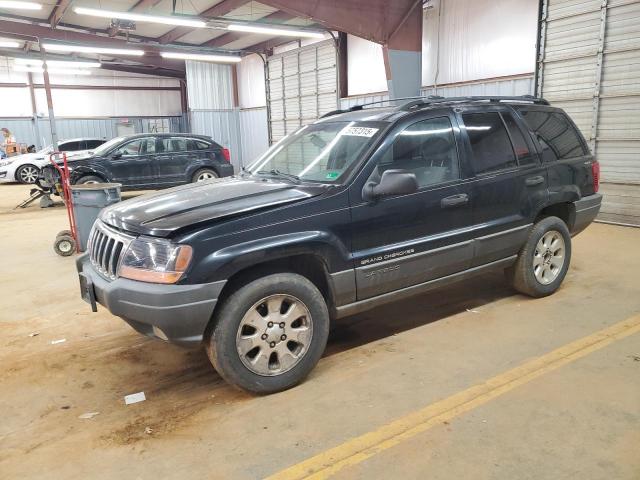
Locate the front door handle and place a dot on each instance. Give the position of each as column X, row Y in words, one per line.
column 454, row 200
column 532, row 181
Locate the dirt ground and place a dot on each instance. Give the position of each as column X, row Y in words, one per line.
column 581, row 420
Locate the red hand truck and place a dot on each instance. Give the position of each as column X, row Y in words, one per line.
column 66, row 242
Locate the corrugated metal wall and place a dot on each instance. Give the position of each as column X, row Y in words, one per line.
column 520, row 85
column 26, row 131
column 254, row 138
column 243, row 131
column 210, row 86
column 589, row 64
column 301, row 86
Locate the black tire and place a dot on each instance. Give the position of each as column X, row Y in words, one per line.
column 522, row 275
column 204, row 172
column 221, row 344
column 64, row 245
column 27, row 174
column 89, row 179
column 62, row 233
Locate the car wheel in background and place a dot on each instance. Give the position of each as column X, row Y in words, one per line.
column 269, row 334
column 88, row 179
column 204, row 174
column 27, row 173
column 544, row 260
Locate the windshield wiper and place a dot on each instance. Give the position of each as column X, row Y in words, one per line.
column 278, row 173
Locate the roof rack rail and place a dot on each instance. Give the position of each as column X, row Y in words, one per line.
column 495, row 99
column 417, row 102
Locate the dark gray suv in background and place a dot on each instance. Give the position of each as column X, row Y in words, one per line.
column 150, row 161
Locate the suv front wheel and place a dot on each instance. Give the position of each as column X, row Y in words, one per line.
column 544, row 260
column 270, row 333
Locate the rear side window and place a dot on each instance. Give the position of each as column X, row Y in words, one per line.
column 175, row 144
column 519, row 143
column 70, row 146
column 557, row 136
column 91, row 144
column 200, row 145
column 490, row 142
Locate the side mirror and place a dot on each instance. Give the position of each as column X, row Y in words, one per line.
column 116, row 155
column 393, row 182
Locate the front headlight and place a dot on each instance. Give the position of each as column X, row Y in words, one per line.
column 4, row 163
column 155, row 260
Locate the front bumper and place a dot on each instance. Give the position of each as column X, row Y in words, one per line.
column 586, row 210
column 5, row 177
column 180, row 312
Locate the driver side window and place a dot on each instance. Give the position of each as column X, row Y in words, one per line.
column 427, row 149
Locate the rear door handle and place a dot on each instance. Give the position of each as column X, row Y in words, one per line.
column 532, row 181
column 454, row 200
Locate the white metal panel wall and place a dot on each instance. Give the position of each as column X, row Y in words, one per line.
column 251, row 82
column 209, row 85
column 365, row 67
column 254, row 138
column 466, row 40
column 302, row 86
column 513, row 86
column 589, row 64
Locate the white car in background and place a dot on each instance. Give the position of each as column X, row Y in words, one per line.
column 26, row 168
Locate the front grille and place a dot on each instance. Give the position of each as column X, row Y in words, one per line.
column 106, row 247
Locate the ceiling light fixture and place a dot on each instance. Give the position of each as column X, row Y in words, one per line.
column 267, row 30
column 9, row 44
column 141, row 17
column 56, row 47
column 20, row 5
column 201, row 57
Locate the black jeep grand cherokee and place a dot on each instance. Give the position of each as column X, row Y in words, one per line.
column 355, row 210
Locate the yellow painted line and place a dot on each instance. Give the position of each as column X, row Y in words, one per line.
column 358, row 449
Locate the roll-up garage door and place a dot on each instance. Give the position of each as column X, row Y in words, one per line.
column 302, row 86
column 589, row 64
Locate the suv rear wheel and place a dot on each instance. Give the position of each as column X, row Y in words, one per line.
column 544, row 260
column 204, row 174
column 269, row 334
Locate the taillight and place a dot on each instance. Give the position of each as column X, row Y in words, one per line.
column 226, row 154
column 595, row 171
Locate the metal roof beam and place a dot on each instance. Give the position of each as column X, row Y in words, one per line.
column 218, row 10
column 227, row 38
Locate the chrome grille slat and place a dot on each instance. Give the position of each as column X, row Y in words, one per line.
column 106, row 247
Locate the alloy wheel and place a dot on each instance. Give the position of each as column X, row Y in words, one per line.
column 29, row 174
column 549, row 257
column 274, row 335
column 205, row 176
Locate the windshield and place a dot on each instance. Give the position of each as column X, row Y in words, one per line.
column 321, row 152
column 105, row 147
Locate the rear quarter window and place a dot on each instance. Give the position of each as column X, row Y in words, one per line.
column 557, row 136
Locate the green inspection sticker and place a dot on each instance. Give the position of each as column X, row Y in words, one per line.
column 332, row 175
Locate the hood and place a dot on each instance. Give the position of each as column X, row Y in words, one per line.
column 160, row 214
column 25, row 157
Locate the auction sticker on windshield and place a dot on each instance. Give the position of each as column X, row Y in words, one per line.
column 360, row 131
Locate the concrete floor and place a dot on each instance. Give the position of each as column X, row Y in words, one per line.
column 579, row 419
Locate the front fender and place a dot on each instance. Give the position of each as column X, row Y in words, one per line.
column 227, row 261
